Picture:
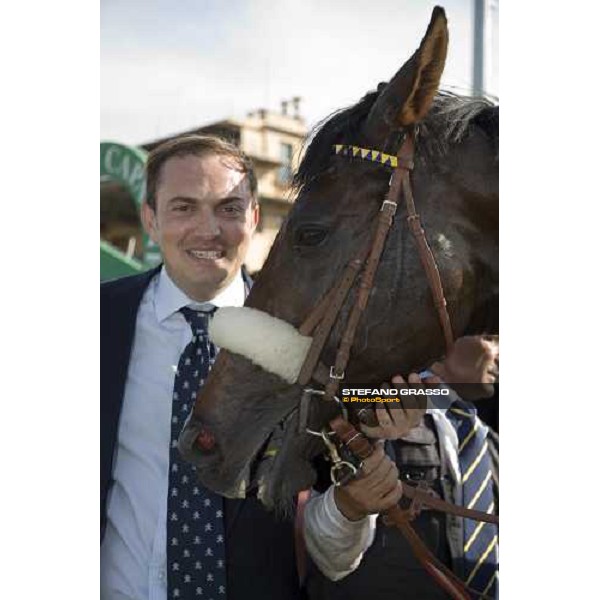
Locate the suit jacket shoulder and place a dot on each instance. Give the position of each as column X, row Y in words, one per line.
column 125, row 287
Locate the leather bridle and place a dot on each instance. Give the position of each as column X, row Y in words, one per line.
column 319, row 324
column 321, row 319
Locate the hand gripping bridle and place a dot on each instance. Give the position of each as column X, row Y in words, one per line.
column 319, row 324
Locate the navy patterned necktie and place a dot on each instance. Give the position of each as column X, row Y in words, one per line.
column 195, row 538
column 480, row 544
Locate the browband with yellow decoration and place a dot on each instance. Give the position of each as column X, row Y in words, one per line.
column 365, row 154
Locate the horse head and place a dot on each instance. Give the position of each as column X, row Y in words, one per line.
column 246, row 418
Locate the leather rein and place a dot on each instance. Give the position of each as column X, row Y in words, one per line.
column 352, row 446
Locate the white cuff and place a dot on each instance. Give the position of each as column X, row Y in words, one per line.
column 335, row 543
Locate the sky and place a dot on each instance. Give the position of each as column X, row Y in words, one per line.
column 171, row 65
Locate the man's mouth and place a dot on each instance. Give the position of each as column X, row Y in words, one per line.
column 207, row 254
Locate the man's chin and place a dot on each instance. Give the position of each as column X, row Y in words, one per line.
column 202, row 281
column 214, row 275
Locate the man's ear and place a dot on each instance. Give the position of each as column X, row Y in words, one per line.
column 148, row 216
column 255, row 214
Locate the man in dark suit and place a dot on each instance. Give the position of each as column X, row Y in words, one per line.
column 163, row 535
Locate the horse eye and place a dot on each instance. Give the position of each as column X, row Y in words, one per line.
column 310, row 235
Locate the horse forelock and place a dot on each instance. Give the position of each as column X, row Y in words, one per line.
column 342, row 126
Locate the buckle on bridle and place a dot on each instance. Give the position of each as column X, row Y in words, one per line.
column 303, row 417
column 332, row 374
column 394, row 204
column 342, row 472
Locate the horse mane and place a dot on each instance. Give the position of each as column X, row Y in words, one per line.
column 449, row 120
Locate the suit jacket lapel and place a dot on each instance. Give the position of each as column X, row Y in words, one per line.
column 118, row 318
column 122, row 319
column 247, row 281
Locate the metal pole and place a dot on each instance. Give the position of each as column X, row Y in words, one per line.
column 478, row 48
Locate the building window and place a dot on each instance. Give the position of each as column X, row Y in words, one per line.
column 285, row 171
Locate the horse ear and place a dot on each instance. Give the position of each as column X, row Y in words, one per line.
column 408, row 96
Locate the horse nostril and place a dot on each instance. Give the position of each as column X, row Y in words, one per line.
column 205, row 440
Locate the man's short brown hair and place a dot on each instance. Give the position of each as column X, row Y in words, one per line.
column 195, row 145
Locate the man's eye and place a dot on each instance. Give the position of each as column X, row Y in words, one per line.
column 181, row 208
column 232, row 210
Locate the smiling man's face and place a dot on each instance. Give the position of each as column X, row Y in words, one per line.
column 204, row 219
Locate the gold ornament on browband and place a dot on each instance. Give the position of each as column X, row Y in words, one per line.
column 366, row 154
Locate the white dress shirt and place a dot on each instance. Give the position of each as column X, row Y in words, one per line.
column 134, row 552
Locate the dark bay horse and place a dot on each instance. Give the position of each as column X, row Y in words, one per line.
column 245, row 425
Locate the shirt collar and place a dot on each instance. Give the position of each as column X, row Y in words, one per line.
column 169, row 298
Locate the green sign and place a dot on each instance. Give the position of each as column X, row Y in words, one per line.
column 125, row 164
column 113, row 263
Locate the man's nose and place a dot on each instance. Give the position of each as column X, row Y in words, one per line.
column 206, row 224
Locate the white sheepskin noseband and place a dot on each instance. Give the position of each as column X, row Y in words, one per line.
column 269, row 342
